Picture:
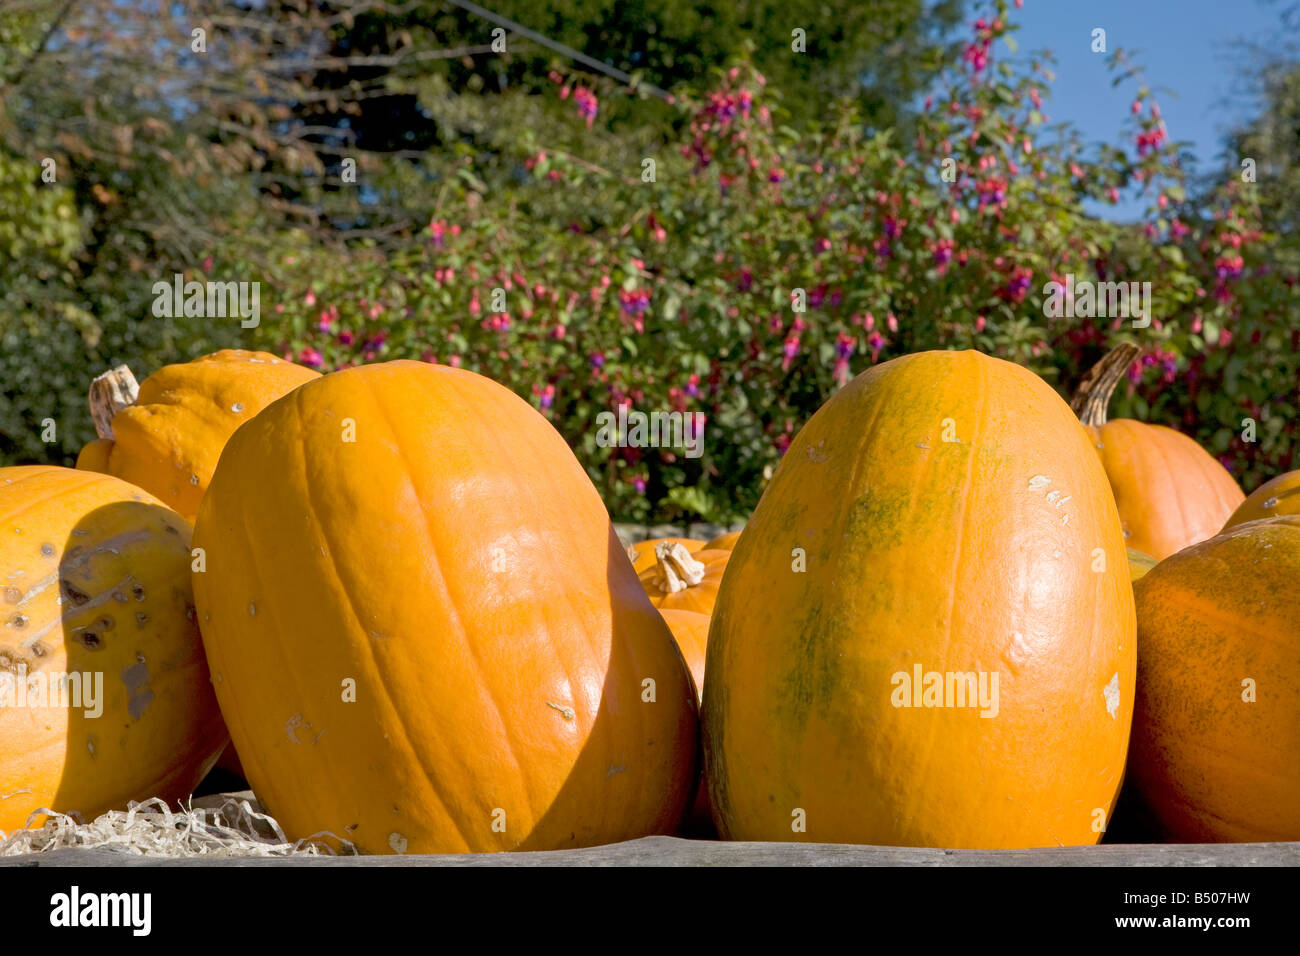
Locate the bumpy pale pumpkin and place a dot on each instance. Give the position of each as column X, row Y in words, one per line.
column 1139, row 564
column 682, row 581
column 912, row 645
column 423, row 631
column 1277, row 496
column 166, row 434
column 642, row 553
column 1170, row 491
column 1216, row 729
column 95, row 581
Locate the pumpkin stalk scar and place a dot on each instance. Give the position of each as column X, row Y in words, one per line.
column 565, row 712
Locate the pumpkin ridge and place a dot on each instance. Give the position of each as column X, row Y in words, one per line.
column 484, row 685
column 379, row 688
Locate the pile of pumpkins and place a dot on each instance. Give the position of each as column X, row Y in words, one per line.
column 959, row 612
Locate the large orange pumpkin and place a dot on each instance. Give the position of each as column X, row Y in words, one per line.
column 1216, row 729
column 1170, row 491
column 423, row 631
column 925, row 636
column 683, row 581
column 166, row 434
column 95, row 585
column 1277, row 496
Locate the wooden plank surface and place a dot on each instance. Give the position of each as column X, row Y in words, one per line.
column 672, row 851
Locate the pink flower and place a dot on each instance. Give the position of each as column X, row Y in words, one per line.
column 309, row 298
column 311, row 358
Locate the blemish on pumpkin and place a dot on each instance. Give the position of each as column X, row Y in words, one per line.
column 565, row 712
column 106, row 623
column 252, row 610
column 397, row 842
column 237, row 407
column 38, row 649
column 13, row 595
column 1039, row 481
column 90, row 745
column 136, row 679
column 616, row 768
column 1271, row 503
column 1111, row 693
column 80, row 532
column 90, row 640
column 77, row 598
column 47, row 549
column 194, row 479
column 18, row 621
column 141, row 619
column 137, row 591
column 6, row 796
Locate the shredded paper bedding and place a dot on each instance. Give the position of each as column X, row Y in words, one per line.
column 151, row 828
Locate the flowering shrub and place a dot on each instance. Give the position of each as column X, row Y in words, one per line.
column 758, row 268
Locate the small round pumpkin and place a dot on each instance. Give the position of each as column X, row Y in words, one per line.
column 1139, row 564
column 1277, row 496
column 95, row 585
column 1216, row 729
column 682, row 581
column 913, row 644
column 642, row 554
column 423, row 630
column 166, row 434
column 1169, row 490
column 723, row 542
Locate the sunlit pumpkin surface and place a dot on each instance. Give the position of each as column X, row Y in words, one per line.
column 1276, row 497
column 1216, row 730
column 169, row 441
column 94, row 575
column 879, row 548
column 423, row 630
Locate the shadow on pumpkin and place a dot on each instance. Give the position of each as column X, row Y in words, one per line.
column 623, row 688
column 141, row 719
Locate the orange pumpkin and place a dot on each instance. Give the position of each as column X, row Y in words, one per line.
column 1216, row 729
column 423, row 630
column 1139, row 564
column 1170, row 491
column 642, row 554
column 166, row 434
column 912, row 645
column 104, row 692
column 691, row 632
column 1278, row 496
column 682, row 581
column 723, row 542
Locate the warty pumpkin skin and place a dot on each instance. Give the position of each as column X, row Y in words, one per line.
column 879, row 547
column 167, row 438
column 1277, row 496
column 456, row 563
column 95, row 579
column 682, row 581
column 1213, row 757
column 1170, row 491
column 642, row 553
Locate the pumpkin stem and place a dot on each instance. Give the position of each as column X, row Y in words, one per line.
column 677, row 569
column 1094, row 392
column 111, row 392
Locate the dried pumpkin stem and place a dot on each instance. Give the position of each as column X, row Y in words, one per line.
column 677, row 569
column 111, row 392
column 1094, row 392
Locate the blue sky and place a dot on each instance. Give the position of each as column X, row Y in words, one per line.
column 1186, row 47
